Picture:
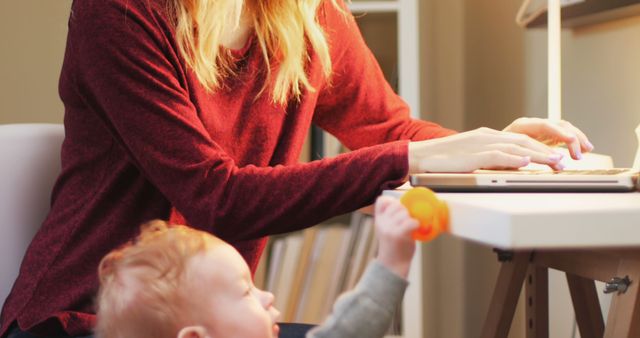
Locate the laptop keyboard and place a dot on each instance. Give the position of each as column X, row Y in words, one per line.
column 614, row 171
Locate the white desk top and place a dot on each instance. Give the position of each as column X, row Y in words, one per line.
column 545, row 220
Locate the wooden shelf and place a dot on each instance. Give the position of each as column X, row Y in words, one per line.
column 591, row 12
column 374, row 6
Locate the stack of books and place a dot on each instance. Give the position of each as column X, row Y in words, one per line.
column 308, row 270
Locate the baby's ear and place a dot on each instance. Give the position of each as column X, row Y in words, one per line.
column 193, row 332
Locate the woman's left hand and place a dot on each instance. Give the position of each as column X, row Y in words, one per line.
column 553, row 133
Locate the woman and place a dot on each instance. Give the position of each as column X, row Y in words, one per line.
column 196, row 111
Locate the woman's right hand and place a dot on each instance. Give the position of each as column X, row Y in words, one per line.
column 482, row 148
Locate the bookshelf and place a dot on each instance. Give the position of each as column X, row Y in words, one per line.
column 591, row 12
column 374, row 6
column 408, row 51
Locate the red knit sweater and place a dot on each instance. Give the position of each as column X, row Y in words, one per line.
column 143, row 136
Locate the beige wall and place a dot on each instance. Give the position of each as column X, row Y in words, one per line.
column 601, row 83
column 473, row 75
column 480, row 69
column 442, row 70
column 442, row 55
column 494, row 64
column 33, row 34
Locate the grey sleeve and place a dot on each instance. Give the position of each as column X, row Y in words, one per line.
column 367, row 310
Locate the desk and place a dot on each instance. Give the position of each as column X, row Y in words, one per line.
column 591, row 236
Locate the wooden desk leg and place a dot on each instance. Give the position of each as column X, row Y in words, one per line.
column 505, row 296
column 537, row 308
column 586, row 306
column 624, row 313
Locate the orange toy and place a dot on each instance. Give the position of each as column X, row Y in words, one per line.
column 432, row 213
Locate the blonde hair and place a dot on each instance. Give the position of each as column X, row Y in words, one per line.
column 282, row 27
column 139, row 292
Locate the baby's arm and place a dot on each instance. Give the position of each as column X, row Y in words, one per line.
column 394, row 227
column 367, row 310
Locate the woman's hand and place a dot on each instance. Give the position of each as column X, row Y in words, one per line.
column 553, row 133
column 482, row 148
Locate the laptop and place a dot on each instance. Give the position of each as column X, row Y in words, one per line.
column 531, row 180
column 540, row 178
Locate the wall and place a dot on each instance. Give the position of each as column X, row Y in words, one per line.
column 473, row 75
column 33, row 34
column 442, row 93
column 442, row 55
column 481, row 69
column 601, row 82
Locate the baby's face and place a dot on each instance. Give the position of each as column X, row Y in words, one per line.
column 223, row 294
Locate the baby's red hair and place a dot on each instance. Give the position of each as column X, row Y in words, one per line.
column 140, row 294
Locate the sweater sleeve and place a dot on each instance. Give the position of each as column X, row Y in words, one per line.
column 127, row 75
column 367, row 310
column 358, row 106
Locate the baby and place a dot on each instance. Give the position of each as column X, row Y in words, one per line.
column 178, row 282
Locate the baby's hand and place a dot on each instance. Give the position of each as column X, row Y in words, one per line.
column 394, row 227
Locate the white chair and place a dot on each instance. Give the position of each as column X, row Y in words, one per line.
column 29, row 165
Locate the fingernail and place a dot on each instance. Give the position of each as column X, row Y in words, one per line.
column 555, row 157
column 526, row 160
column 559, row 166
column 590, row 145
column 578, row 155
